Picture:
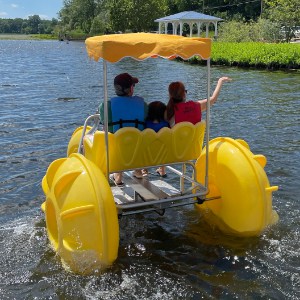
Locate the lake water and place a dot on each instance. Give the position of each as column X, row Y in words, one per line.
column 48, row 88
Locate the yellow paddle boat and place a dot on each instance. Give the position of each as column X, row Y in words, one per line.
column 224, row 179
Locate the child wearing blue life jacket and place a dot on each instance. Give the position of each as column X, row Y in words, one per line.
column 155, row 120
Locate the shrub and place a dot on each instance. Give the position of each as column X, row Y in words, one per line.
column 234, row 31
column 262, row 30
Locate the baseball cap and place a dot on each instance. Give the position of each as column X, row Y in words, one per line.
column 125, row 80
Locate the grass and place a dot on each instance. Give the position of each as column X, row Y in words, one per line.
column 27, row 37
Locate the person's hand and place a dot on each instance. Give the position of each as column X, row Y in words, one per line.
column 224, row 79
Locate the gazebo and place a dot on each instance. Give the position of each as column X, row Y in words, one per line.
column 190, row 18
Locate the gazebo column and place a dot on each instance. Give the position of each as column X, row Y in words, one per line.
column 207, row 29
column 216, row 28
column 180, row 27
column 199, row 28
column 159, row 27
column 175, row 25
column 191, row 28
column 166, row 27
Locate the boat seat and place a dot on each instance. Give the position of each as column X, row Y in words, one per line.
column 130, row 148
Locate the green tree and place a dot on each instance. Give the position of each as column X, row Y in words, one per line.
column 100, row 24
column 267, row 31
column 176, row 6
column 227, row 9
column 136, row 15
column 16, row 25
column 65, row 13
column 33, row 23
column 4, row 26
column 234, row 31
column 143, row 13
column 119, row 14
column 286, row 13
column 188, row 5
column 78, row 14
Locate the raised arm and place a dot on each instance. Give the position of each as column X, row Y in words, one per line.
column 215, row 94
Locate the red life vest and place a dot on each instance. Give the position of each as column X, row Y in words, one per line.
column 187, row 112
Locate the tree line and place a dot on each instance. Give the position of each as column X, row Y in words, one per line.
column 33, row 25
column 91, row 17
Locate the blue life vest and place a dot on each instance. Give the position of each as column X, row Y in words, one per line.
column 156, row 126
column 127, row 111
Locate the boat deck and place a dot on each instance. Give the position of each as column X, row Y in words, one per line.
column 150, row 193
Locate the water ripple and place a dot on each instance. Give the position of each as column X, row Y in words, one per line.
column 48, row 88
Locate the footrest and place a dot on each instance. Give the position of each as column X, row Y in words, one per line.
column 121, row 196
column 136, row 191
column 144, row 188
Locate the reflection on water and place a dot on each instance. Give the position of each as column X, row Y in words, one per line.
column 48, row 88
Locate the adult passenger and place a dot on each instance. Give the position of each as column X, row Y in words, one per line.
column 125, row 110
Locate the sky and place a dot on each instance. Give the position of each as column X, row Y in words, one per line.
column 46, row 9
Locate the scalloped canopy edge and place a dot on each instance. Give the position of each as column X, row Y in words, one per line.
column 141, row 46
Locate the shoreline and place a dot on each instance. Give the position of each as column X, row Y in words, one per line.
column 20, row 37
column 230, row 55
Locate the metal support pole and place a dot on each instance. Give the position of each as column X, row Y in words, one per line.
column 182, row 178
column 207, row 122
column 106, row 116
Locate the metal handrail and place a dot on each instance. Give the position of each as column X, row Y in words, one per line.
column 96, row 118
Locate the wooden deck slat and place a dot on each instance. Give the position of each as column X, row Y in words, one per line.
column 121, row 195
column 146, row 190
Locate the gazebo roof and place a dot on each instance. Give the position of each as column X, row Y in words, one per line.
column 189, row 16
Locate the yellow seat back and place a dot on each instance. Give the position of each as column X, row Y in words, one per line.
column 130, row 148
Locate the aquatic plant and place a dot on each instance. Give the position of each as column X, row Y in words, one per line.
column 255, row 54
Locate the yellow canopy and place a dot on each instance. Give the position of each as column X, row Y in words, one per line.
column 140, row 46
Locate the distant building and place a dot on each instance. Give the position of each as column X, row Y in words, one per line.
column 190, row 18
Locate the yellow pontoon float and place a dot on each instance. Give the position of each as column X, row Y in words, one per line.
column 224, row 178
